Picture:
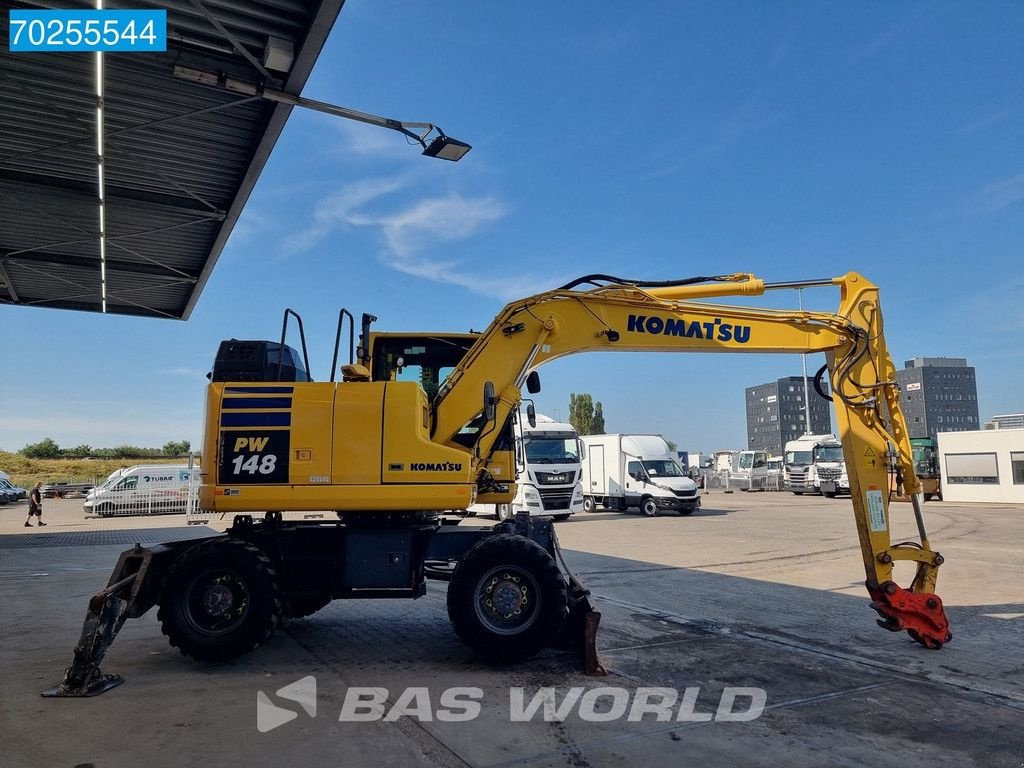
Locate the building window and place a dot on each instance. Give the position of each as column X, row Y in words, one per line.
column 972, row 469
column 1017, row 465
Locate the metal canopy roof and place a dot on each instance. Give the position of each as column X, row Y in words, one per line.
column 179, row 157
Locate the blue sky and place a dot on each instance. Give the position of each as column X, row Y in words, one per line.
column 648, row 140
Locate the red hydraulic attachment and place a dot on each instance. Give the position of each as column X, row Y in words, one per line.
column 921, row 614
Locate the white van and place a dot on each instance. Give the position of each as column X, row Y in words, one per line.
column 621, row 471
column 145, row 490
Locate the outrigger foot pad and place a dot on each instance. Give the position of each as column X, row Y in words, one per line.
column 107, row 612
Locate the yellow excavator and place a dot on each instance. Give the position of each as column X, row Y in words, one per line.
column 420, row 426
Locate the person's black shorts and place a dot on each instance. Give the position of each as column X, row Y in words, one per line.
column 35, row 511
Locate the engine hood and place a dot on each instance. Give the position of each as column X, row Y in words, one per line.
column 675, row 483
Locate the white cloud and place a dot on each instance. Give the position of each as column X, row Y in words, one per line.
column 1000, row 194
column 373, row 141
column 341, row 209
column 409, row 231
column 435, row 221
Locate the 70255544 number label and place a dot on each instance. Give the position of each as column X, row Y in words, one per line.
column 80, row 31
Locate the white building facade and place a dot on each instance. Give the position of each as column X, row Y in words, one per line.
column 987, row 465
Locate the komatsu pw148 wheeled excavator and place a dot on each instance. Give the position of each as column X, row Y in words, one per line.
column 391, row 456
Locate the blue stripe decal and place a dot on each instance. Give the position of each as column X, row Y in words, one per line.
column 261, row 390
column 257, row 402
column 256, row 419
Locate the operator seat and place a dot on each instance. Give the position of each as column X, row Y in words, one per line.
column 354, row 372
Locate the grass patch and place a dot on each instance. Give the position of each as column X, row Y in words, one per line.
column 25, row 472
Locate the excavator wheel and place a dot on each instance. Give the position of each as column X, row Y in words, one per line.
column 221, row 599
column 507, row 599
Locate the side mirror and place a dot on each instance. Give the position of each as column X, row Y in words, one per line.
column 531, row 415
column 533, row 383
column 490, row 402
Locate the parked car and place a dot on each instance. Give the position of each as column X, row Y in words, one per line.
column 13, row 492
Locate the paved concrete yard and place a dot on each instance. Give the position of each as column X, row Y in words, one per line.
column 758, row 590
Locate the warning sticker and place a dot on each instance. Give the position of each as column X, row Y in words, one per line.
column 876, row 511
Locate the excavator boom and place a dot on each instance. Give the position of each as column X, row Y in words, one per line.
column 673, row 317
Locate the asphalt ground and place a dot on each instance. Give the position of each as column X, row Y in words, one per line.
column 757, row 591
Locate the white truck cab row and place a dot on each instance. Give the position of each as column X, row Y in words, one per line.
column 815, row 464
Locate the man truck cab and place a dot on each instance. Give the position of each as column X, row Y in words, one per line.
column 547, row 469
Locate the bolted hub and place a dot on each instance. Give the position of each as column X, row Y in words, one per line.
column 218, row 599
column 506, row 596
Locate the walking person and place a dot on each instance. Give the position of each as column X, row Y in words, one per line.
column 35, row 504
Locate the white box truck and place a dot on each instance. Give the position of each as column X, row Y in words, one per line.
column 144, row 490
column 623, row 471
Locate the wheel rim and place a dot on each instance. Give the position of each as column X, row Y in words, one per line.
column 216, row 602
column 650, row 508
column 507, row 600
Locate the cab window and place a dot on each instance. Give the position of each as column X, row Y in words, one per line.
column 129, row 483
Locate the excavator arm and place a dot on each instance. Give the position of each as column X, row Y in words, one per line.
column 673, row 317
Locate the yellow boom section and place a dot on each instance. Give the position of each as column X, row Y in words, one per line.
column 671, row 318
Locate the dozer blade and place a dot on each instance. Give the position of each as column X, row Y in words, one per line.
column 580, row 629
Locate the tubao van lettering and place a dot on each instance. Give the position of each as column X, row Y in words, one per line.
column 712, row 330
column 443, row 466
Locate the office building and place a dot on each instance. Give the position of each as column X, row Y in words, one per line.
column 1006, row 421
column 939, row 394
column 775, row 414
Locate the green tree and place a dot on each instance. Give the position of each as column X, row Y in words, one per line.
column 581, row 412
column 586, row 417
column 182, row 448
column 44, row 449
column 78, row 452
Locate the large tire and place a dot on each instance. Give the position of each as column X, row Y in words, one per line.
column 507, row 598
column 588, row 504
column 504, row 512
column 829, row 494
column 301, row 606
column 221, row 599
column 649, row 506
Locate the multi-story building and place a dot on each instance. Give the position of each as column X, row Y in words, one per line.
column 1006, row 421
column 938, row 394
column 775, row 414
